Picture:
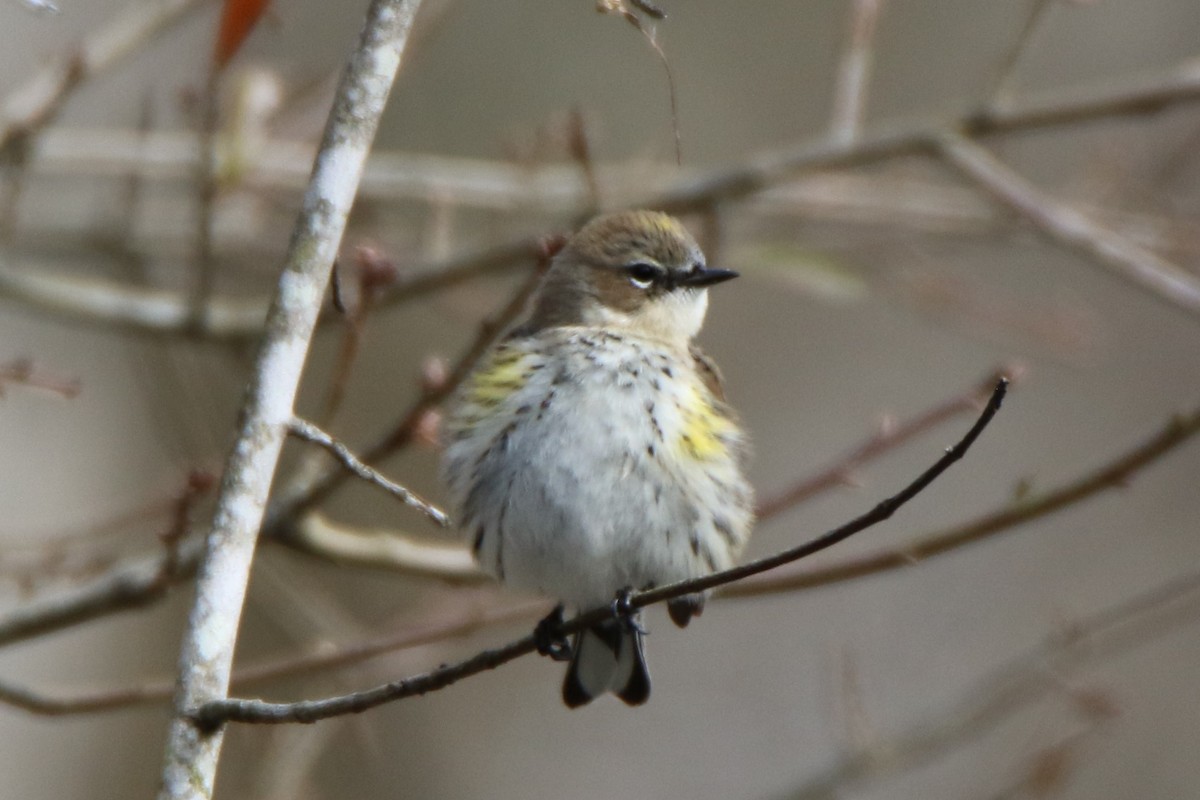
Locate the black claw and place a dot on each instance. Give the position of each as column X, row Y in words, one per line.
column 549, row 637
column 624, row 612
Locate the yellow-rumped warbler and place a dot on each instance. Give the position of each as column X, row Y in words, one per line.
column 592, row 452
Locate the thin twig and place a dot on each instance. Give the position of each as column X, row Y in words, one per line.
column 854, row 71
column 22, row 372
column 887, row 438
column 374, row 272
column 1015, row 685
column 1066, row 225
column 309, row 432
column 300, row 498
column 621, row 9
column 1003, row 87
column 1115, row 473
column 207, row 654
column 213, row 714
column 204, row 272
column 321, row 657
column 37, row 102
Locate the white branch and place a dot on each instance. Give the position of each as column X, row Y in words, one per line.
column 207, row 654
column 854, row 72
column 382, row 549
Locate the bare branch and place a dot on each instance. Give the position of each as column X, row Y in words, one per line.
column 299, row 498
column 134, row 308
column 1003, row 88
column 165, row 313
column 207, row 654
column 321, row 657
column 1014, row 686
column 127, row 587
column 316, row 535
column 1115, row 473
column 21, row 371
column 215, row 713
column 888, row 437
column 38, row 101
column 311, row 433
column 854, row 71
column 1066, row 225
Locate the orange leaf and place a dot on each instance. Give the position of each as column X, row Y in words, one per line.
column 238, row 18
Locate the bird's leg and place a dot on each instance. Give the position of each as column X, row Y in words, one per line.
column 549, row 637
column 624, row 612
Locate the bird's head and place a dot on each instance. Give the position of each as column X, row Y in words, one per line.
column 636, row 272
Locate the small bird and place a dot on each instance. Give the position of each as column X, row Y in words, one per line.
column 592, row 453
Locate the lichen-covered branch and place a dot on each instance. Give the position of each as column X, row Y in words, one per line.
column 207, row 654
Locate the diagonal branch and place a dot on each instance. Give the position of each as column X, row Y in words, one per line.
column 888, row 437
column 212, row 715
column 1113, row 474
column 28, row 109
column 1065, row 225
column 125, row 588
column 303, row 429
column 207, row 654
column 1023, row 680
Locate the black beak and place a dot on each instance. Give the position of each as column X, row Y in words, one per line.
column 704, row 276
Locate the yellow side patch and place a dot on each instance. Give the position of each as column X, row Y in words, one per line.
column 703, row 429
column 495, row 381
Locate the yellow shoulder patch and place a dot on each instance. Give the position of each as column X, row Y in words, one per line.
column 493, row 382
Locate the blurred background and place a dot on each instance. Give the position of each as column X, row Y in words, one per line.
column 1051, row 658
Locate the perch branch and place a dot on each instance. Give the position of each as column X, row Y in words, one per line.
column 1115, row 473
column 214, row 714
column 887, row 438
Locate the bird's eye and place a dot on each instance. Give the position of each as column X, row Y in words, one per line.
column 642, row 275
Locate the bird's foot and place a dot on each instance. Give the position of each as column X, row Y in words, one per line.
column 626, row 615
column 549, row 636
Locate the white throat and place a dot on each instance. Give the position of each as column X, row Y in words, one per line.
column 674, row 317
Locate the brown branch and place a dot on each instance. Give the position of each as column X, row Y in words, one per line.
column 38, row 101
column 1114, row 474
column 888, row 437
column 1003, row 86
column 320, row 658
column 1067, row 226
column 1015, row 685
column 213, row 714
column 21, row 371
column 124, row 588
column 166, row 313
